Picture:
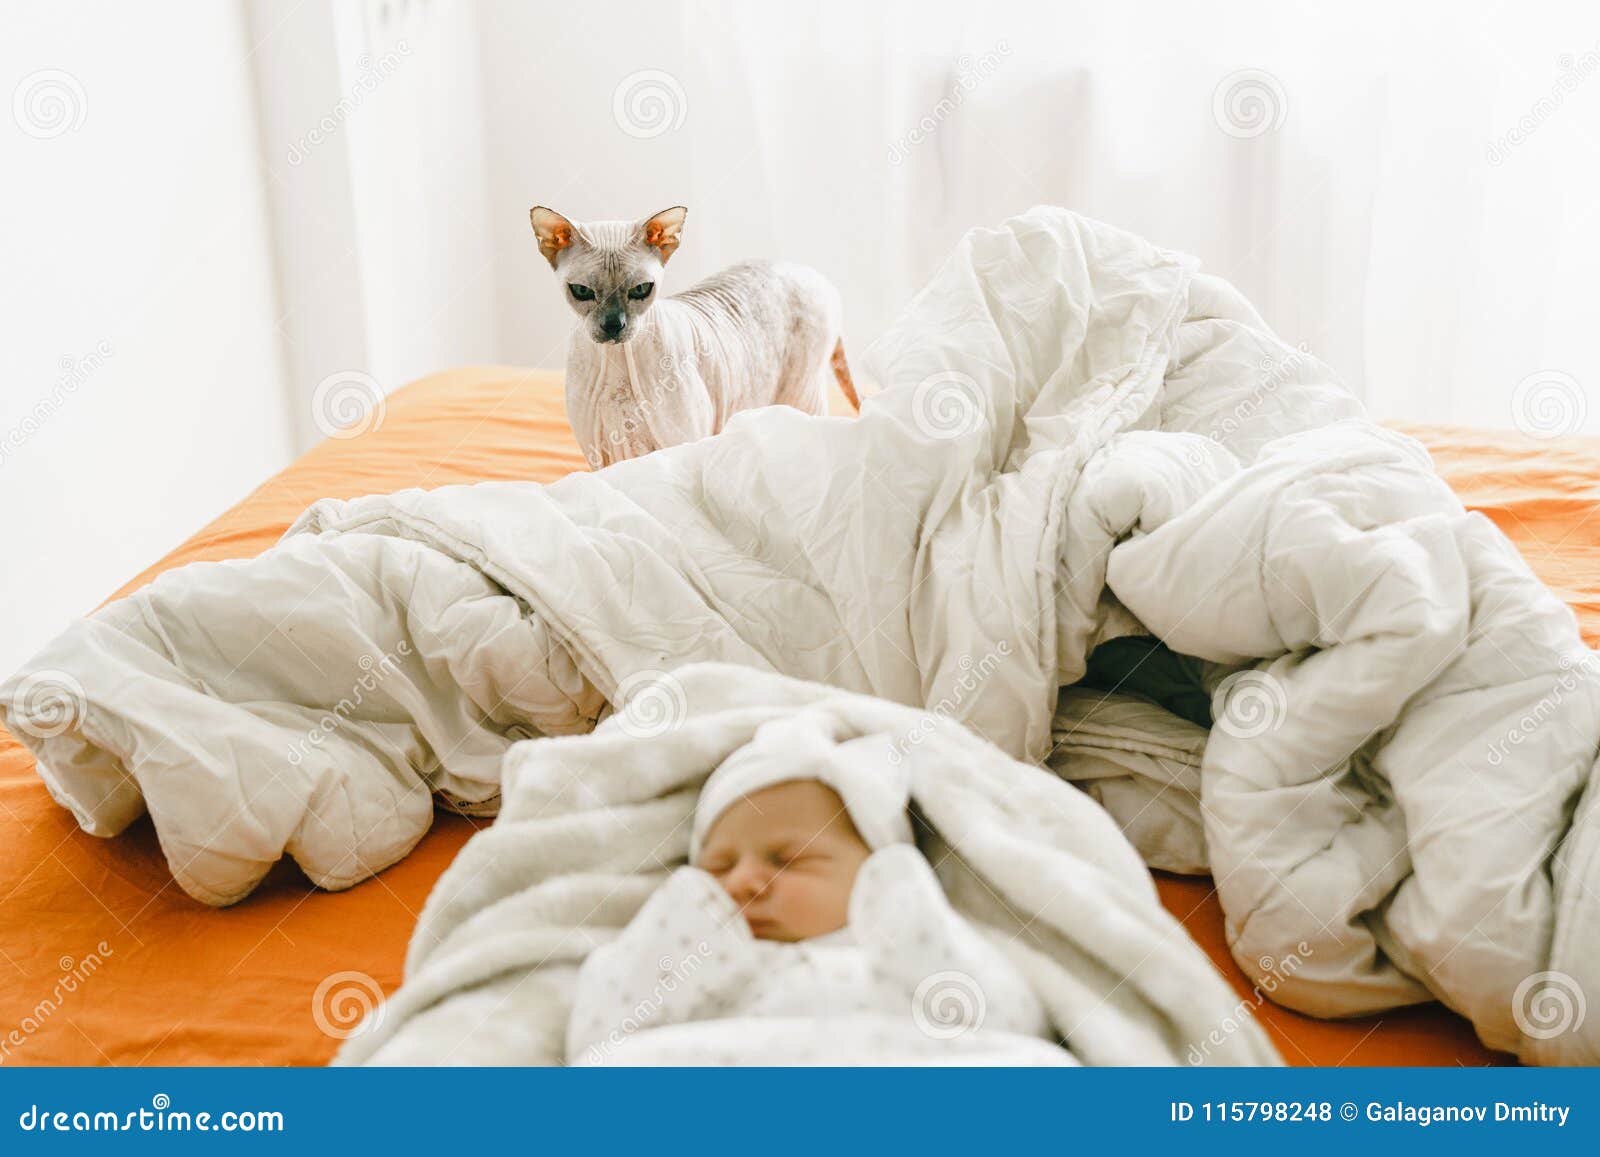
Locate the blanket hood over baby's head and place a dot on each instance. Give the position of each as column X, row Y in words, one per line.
column 875, row 789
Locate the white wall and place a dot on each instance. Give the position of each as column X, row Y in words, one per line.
column 137, row 230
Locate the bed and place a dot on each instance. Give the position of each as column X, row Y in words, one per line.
column 105, row 961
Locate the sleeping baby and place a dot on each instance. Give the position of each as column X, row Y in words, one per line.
column 809, row 930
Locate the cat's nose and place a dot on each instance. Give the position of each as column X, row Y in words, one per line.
column 613, row 324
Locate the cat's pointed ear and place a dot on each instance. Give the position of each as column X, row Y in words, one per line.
column 662, row 231
column 554, row 232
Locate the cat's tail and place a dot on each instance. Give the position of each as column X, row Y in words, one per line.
column 841, row 370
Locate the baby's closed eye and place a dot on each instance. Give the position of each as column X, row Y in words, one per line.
column 787, row 854
column 801, row 858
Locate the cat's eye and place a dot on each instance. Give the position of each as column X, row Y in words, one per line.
column 642, row 290
column 581, row 292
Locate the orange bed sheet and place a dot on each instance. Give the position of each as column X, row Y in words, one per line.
column 104, row 961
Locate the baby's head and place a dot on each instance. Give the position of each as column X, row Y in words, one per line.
column 788, row 855
column 785, row 831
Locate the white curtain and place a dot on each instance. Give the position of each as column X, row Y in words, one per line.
column 1408, row 189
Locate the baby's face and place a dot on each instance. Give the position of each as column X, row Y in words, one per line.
column 788, row 855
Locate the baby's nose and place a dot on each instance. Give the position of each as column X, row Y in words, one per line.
column 745, row 881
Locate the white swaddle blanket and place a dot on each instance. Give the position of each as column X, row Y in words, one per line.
column 595, row 827
column 905, row 980
column 908, row 981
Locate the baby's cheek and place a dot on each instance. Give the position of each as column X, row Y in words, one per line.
column 824, row 897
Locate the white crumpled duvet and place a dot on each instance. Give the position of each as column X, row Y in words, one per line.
column 1080, row 437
